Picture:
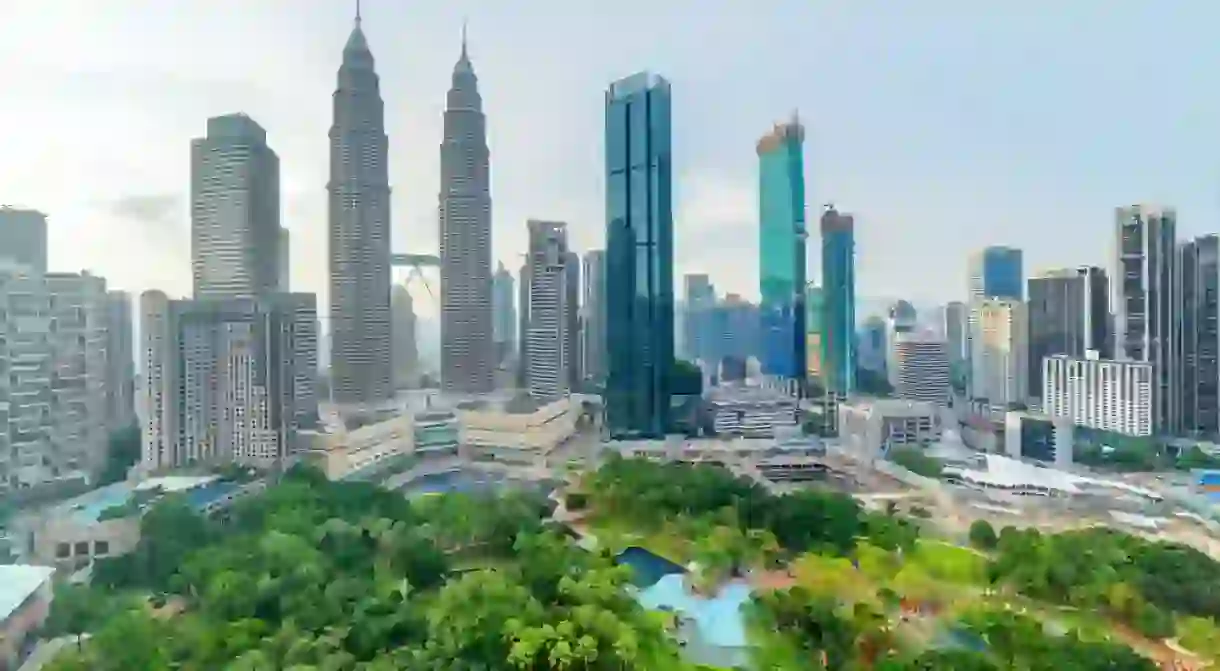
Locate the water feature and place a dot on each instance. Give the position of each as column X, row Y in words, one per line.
column 712, row 628
column 647, row 568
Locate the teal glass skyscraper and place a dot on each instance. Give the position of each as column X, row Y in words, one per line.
column 838, row 302
column 639, row 257
column 781, row 249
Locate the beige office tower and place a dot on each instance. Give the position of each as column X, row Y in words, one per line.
column 999, row 348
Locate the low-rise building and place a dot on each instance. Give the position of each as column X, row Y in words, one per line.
column 25, row 602
column 750, row 412
column 105, row 522
column 1039, row 437
column 367, row 450
column 520, row 431
column 873, row 426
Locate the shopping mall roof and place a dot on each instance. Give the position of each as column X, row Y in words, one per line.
column 1010, row 473
column 17, row 583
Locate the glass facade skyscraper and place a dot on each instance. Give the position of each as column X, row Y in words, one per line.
column 639, row 257
column 781, row 248
column 838, row 302
column 997, row 272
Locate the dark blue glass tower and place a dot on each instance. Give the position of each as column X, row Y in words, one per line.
column 639, row 257
column 996, row 272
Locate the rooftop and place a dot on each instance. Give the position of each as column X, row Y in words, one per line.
column 17, row 583
column 88, row 507
column 1007, row 472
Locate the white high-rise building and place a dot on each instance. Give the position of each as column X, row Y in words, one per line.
column 593, row 309
column 921, row 368
column 548, row 371
column 77, row 338
column 235, row 210
column 998, row 351
column 219, row 380
column 301, row 309
column 902, row 320
column 54, row 417
column 1114, row 396
column 25, row 387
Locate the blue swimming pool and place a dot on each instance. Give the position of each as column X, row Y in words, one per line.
column 713, row 627
column 646, row 567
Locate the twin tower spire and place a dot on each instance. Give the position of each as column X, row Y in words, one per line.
column 462, row 59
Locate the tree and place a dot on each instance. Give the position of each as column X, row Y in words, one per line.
column 982, row 535
column 122, row 453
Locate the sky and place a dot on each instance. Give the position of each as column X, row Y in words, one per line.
column 943, row 125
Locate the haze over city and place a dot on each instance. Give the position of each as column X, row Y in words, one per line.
column 942, row 127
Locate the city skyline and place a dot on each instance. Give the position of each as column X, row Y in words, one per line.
column 900, row 173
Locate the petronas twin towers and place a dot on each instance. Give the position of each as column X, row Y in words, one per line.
column 359, row 229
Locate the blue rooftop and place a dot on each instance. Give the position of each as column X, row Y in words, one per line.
column 87, row 508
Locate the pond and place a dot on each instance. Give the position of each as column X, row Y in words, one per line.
column 712, row 627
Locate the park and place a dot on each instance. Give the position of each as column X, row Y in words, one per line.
column 637, row 565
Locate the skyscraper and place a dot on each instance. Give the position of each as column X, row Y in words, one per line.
column 235, row 210
column 999, row 351
column 839, row 302
column 218, row 381
column 120, row 360
column 523, row 323
column 956, row 318
column 902, row 320
column 699, row 301
column 781, row 248
column 1069, row 313
column 23, row 238
column 359, row 229
column 1146, row 291
column 997, row 272
column 77, row 339
column 571, row 306
column 639, row 256
column 406, row 354
column 467, row 359
column 548, row 374
column 285, row 260
column 921, row 367
column 1199, row 263
column 593, row 320
column 813, row 333
column 504, row 315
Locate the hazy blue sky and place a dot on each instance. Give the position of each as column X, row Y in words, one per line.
column 944, row 125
